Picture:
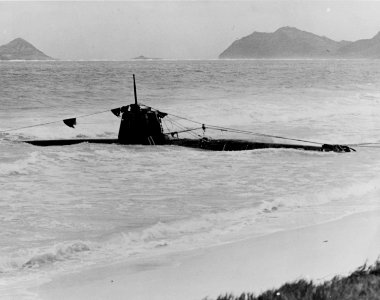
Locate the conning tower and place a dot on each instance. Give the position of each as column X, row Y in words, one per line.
column 140, row 125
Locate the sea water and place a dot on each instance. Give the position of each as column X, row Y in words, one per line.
column 68, row 208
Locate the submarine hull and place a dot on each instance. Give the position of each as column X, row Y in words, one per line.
column 237, row 145
column 205, row 144
column 67, row 142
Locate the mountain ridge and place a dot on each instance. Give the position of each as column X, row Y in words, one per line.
column 291, row 42
column 20, row 49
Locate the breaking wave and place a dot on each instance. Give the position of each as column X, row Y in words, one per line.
column 60, row 254
column 21, row 166
column 32, row 259
column 204, row 230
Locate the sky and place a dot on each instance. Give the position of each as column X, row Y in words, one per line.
column 105, row 30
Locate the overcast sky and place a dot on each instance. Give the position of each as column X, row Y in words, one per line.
column 174, row 29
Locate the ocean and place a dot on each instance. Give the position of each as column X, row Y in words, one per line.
column 67, row 208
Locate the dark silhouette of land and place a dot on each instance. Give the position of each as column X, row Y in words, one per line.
column 19, row 49
column 290, row 42
column 142, row 57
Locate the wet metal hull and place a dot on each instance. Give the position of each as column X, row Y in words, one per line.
column 213, row 145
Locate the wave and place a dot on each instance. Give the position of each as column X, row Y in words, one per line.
column 194, row 232
column 213, row 227
column 217, row 224
column 181, row 234
column 31, row 259
column 61, row 253
column 20, row 166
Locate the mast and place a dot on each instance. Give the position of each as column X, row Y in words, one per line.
column 134, row 89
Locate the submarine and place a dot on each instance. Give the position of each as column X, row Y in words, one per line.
column 142, row 125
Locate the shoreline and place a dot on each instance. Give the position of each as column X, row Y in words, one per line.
column 317, row 252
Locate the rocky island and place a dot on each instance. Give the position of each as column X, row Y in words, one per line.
column 142, row 57
column 290, row 42
column 19, row 49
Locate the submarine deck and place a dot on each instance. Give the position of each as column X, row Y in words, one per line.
column 206, row 144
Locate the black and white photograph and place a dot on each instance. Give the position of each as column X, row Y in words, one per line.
column 190, row 150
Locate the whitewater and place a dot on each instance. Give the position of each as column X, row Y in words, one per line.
column 67, row 208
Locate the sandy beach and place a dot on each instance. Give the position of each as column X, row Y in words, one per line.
column 317, row 252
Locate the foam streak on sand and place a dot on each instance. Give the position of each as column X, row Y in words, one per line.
column 318, row 252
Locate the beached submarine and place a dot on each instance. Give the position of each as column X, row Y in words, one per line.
column 142, row 125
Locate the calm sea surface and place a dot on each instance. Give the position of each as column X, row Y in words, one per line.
column 66, row 208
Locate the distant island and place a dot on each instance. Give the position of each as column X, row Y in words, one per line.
column 19, row 49
column 290, row 42
column 142, row 57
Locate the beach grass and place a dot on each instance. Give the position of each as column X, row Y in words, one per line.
column 363, row 283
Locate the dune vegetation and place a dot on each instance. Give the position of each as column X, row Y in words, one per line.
column 363, row 283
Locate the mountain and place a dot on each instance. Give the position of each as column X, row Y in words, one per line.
column 369, row 48
column 290, row 42
column 20, row 49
